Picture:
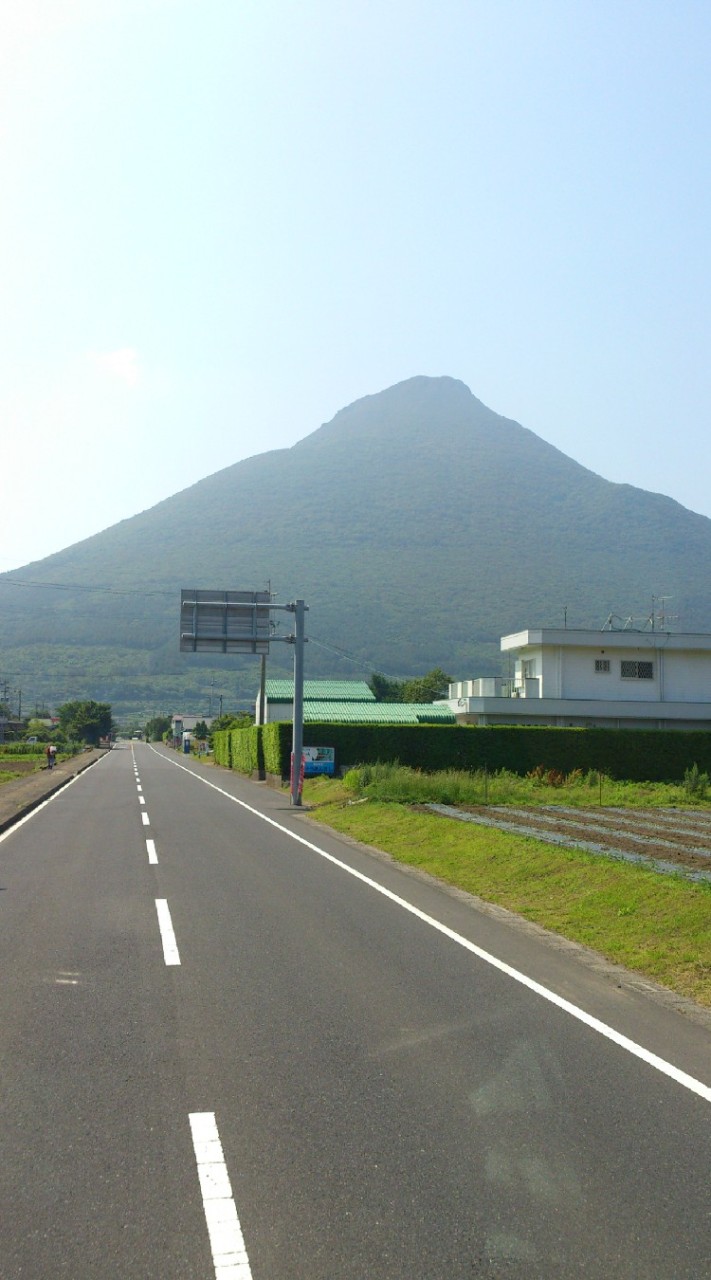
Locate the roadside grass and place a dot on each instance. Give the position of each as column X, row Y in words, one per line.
column 395, row 782
column 657, row 925
column 13, row 767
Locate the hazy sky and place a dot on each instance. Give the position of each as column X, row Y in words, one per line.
column 223, row 220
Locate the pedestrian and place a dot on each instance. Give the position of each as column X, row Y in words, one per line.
column 51, row 755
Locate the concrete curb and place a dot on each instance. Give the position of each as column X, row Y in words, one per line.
column 20, row 797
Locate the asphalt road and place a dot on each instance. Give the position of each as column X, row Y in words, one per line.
column 234, row 1045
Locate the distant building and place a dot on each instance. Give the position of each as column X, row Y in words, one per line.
column 609, row 679
column 347, row 702
column 180, row 724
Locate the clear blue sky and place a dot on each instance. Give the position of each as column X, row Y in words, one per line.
column 223, row 220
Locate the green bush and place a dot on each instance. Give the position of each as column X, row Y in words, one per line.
column 246, row 750
column 39, row 748
column 395, row 784
column 221, row 752
column 696, row 784
column 638, row 755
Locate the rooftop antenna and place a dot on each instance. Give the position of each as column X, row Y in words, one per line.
column 659, row 617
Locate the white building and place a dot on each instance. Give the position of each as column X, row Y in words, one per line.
column 610, row 679
column 180, row 724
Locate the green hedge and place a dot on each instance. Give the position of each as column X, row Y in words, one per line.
column 639, row 755
column 239, row 749
column 221, row 748
column 246, row 748
column 276, row 741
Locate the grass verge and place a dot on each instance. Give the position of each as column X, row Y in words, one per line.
column 656, row 925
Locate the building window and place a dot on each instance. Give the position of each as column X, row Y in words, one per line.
column 528, row 668
column 602, row 664
column 630, row 669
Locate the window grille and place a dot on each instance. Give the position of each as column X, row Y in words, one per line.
column 631, row 669
column 602, row 664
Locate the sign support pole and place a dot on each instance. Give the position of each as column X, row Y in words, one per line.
column 297, row 745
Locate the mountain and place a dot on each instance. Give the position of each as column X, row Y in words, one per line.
column 418, row 525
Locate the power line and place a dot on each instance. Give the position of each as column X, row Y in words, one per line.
column 350, row 657
column 78, row 586
column 133, row 591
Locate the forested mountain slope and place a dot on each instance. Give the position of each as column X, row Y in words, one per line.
column 418, row 525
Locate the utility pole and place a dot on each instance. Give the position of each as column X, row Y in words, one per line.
column 262, row 702
column 297, row 742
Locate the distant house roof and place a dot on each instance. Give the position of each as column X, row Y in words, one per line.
column 377, row 713
column 321, row 691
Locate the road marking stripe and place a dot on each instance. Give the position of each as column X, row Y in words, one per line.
column 145, row 820
column 151, row 847
column 165, row 924
column 54, row 796
column 138, row 786
column 141, row 799
column 595, row 1024
column 229, row 1254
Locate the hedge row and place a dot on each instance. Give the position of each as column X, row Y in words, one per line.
column 639, row 755
column 240, row 749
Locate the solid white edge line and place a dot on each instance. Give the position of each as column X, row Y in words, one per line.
column 167, row 934
column 229, row 1254
column 151, row 850
column 602, row 1028
column 55, row 796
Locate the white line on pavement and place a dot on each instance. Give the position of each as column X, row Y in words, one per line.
column 151, row 847
column 56, row 795
column 170, row 946
column 602, row 1028
column 141, row 799
column 145, row 820
column 229, row 1254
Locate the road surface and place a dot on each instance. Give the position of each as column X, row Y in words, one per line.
column 234, row 1045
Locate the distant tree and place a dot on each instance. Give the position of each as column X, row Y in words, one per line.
column 200, row 730
column 156, row 728
column 85, row 721
column 239, row 721
column 386, row 689
column 419, row 689
column 427, row 688
column 42, row 732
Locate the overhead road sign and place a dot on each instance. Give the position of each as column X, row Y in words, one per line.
column 239, row 622
column 224, row 621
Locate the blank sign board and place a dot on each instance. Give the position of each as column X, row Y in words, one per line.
column 224, row 621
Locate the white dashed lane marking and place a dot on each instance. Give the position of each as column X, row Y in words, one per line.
column 167, row 934
column 229, row 1254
